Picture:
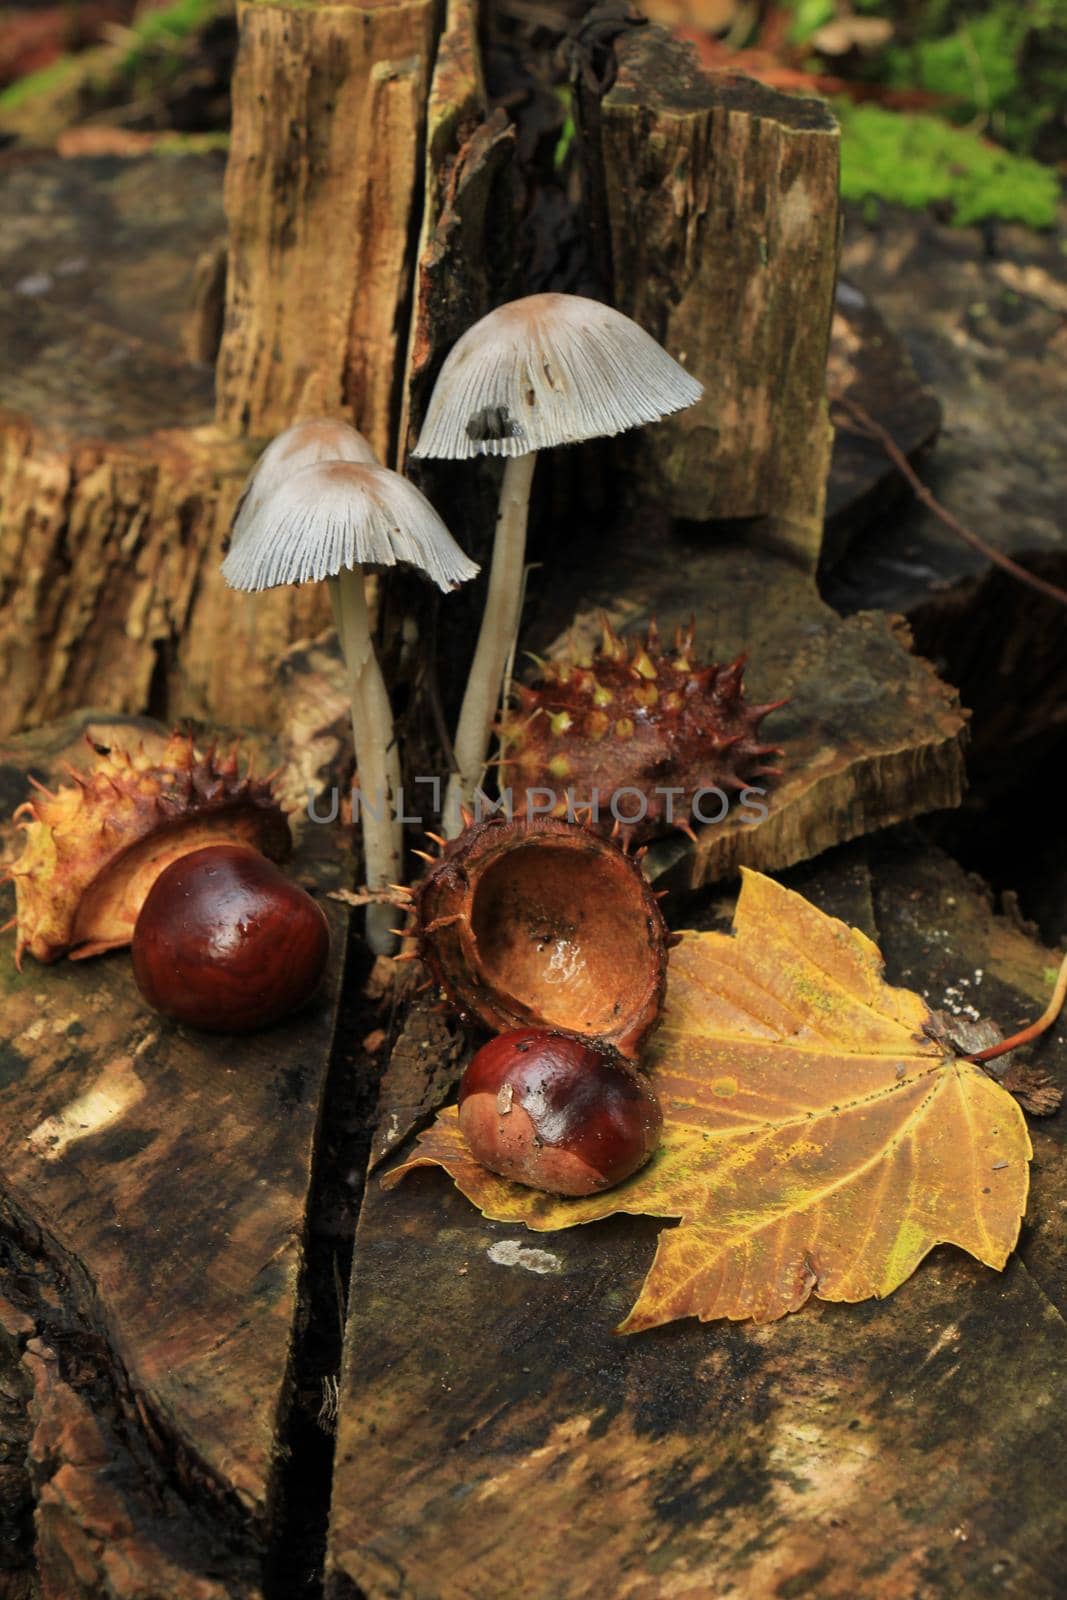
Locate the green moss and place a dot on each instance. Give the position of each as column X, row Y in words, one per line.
column 150, row 37
column 46, row 81
column 808, row 17
column 158, row 29
column 976, row 67
column 917, row 160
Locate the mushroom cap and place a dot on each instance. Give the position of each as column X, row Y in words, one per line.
column 334, row 515
column 317, row 439
column 550, row 369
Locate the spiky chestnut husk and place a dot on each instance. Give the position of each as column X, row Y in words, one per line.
column 93, row 850
column 544, row 924
column 637, row 718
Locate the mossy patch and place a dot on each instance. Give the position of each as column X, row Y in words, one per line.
column 45, row 82
column 150, row 37
column 918, row 160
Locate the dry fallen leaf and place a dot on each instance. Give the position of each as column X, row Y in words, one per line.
column 815, row 1140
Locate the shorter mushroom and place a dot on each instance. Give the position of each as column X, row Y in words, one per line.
column 317, row 439
column 332, row 521
column 546, row 370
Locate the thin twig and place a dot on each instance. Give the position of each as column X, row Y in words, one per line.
column 874, row 430
column 1045, row 1020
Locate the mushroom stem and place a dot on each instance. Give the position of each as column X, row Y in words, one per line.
column 500, row 625
column 377, row 752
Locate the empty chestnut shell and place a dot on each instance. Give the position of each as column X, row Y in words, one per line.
column 226, row 942
column 557, row 1113
column 544, row 924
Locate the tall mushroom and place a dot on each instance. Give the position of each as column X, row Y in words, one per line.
column 334, row 520
column 546, row 370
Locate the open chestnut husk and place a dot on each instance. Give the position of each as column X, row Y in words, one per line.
column 542, row 923
column 557, row 1113
column 93, row 849
column 226, row 942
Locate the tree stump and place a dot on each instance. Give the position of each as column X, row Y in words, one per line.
column 116, row 487
column 892, row 1447
column 322, row 191
column 721, row 205
column 153, row 1192
column 366, row 202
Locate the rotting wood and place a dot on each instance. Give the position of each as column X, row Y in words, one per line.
column 853, row 1448
column 98, row 1523
column 322, row 183
column 465, row 154
column 722, row 212
column 118, row 481
column 116, row 488
column 16, row 1491
column 158, row 1178
column 871, row 735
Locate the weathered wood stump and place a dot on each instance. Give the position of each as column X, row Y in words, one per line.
column 365, row 210
column 871, row 734
column 153, row 1190
column 322, row 192
column 889, row 1447
column 721, row 202
column 116, row 488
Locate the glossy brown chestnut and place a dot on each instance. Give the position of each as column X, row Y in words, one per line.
column 226, row 942
column 557, row 1113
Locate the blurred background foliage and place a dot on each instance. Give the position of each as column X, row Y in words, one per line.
column 959, row 105
column 956, row 104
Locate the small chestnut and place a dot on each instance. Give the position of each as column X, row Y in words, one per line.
column 226, row 942
column 557, row 1113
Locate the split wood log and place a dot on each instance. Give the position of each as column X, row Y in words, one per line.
column 322, row 195
column 116, row 487
column 721, row 204
column 888, row 1447
column 372, row 142
column 153, row 1189
column 871, row 734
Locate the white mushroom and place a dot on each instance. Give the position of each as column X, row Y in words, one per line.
column 318, row 439
column 547, row 370
column 332, row 520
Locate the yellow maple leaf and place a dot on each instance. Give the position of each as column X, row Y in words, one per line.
column 815, row 1139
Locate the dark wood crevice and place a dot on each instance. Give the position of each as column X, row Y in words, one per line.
column 297, row 1548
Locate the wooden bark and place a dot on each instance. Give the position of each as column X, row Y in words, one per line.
column 153, row 1186
column 871, row 735
column 360, row 140
column 322, row 191
column 901, row 1447
column 465, row 153
column 116, row 488
column 722, row 218
column 16, row 1491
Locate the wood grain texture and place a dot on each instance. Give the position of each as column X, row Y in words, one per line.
column 465, row 153
column 158, row 1177
column 722, row 210
column 871, row 735
column 116, row 488
column 900, row 1448
column 322, row 184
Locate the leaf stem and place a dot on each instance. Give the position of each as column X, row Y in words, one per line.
column 1045, row 1020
